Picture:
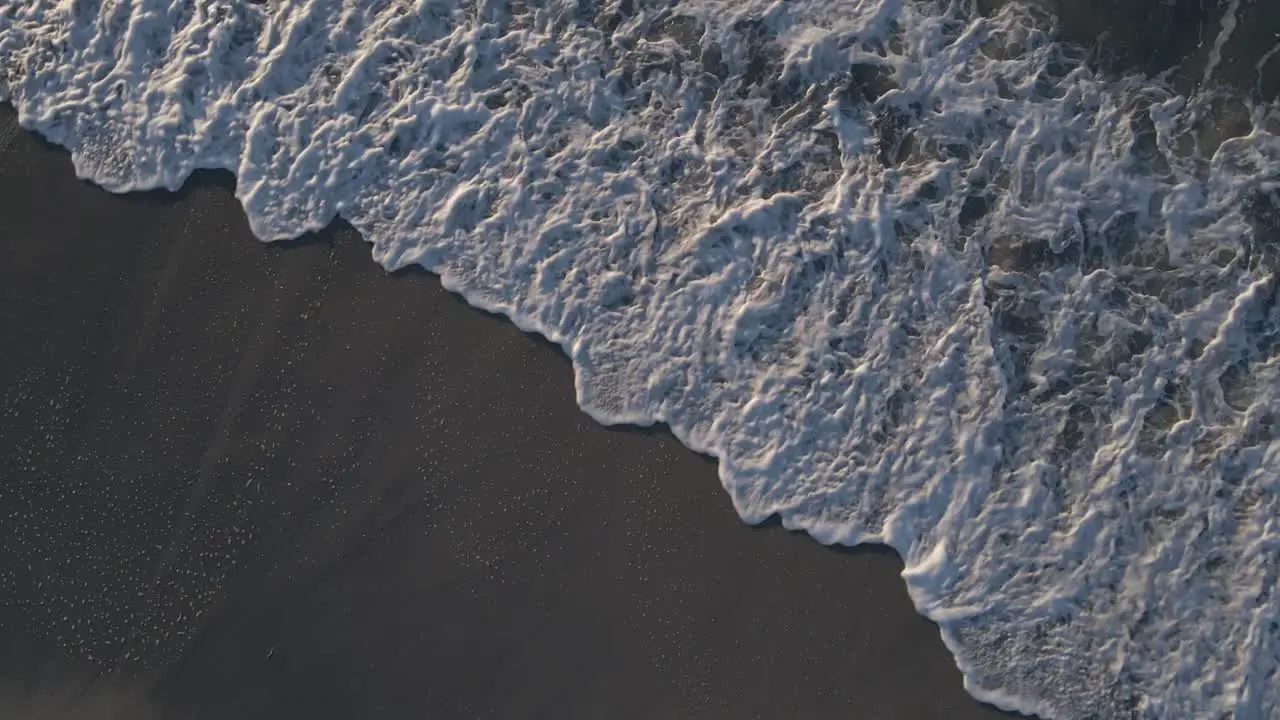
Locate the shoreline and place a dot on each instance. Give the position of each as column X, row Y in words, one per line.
column 194, row 191
column 324, row 506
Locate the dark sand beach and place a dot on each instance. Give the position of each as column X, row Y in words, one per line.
column 272, row 481
column 245, row 481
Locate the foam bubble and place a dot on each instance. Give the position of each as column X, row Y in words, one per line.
column 915, row 275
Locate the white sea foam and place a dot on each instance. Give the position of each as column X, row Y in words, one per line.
column 916, row 276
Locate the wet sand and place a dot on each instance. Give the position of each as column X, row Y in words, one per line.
column 247, row 481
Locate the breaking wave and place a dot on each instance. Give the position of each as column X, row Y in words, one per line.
column 916, row 275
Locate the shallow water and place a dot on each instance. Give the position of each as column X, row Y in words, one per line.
column 917, row 275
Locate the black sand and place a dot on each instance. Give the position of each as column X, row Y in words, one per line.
column 242, row 481
column 245, row 481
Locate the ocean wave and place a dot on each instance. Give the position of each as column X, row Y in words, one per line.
column 916, row 275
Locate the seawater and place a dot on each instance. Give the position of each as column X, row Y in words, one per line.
column 916, row 275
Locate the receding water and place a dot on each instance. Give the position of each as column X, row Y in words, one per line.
column 917, row 275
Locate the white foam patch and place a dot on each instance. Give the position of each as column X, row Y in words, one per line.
column 916, row 276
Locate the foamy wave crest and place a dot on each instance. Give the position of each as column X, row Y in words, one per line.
column 916, row 276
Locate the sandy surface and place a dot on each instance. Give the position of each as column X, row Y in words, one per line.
column 247, row 481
